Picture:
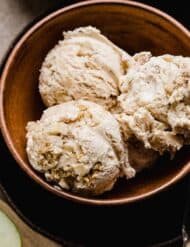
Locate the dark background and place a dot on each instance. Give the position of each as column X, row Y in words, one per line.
column 177, row 8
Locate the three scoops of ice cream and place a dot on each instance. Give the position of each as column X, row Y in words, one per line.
column 103, row 107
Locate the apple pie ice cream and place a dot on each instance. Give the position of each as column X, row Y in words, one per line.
column 78, row 146
column 155, row 102
column 110, row 114
column 84, row 65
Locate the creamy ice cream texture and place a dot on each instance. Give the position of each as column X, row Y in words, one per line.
column 84, row 65
column 155, row 102
column 78, row 145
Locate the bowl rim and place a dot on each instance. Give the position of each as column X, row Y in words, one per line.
column 5, row 132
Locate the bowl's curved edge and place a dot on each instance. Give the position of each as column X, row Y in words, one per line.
column 5, row 131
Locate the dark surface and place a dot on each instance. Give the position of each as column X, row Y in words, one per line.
column 141, row 224
column 176, row 8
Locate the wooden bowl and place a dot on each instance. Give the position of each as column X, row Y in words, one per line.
column 134, row 27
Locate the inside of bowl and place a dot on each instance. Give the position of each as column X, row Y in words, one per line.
column 130, row 27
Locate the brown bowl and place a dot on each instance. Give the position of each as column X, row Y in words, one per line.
column 134, row 27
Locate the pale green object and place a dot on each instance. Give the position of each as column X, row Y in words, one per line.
column 9, row 235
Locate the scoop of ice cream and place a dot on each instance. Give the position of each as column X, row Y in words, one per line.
column 78, row 159
column 78, row 145
column 85, row 65
column 154, row 100
column 82, row 112
column 179, row 111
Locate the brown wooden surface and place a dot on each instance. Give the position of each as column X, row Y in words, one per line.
column 133, row 27
column 29, row 237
